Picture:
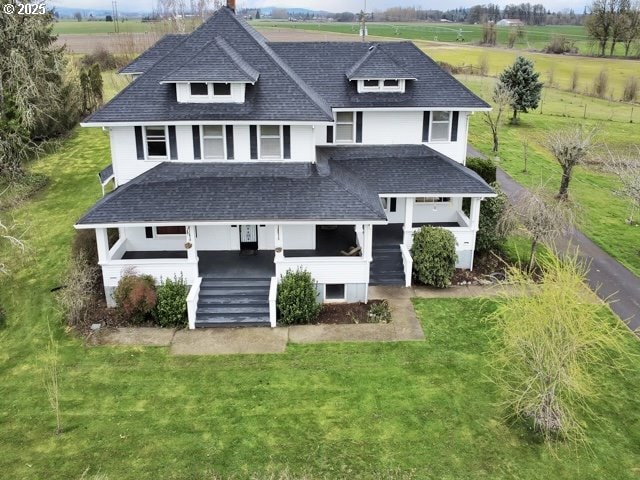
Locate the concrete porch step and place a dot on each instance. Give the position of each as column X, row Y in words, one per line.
column 231, row 320
column 240, row 299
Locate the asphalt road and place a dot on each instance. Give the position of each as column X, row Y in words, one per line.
column 607, row 278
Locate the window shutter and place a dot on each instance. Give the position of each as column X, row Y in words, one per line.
column 173, row 145
column 286, row 141
column 253, row 134
column 329, row 133
column 139, row 143
column 148, row 232
column 454, row 126
column 425, row 126
column 358, row 127
column 196, row 142
column 229, row 133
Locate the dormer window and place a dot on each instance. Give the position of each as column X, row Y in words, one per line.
column 221, row 89
column 199, row 89
column 381, row 85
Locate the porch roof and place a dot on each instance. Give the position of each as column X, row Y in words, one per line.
column 403, row 169
column 192, row 192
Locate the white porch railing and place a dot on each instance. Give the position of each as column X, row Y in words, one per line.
column 327, row 269
column 192, row 302
column 407, row 261
column 158, row 268
column 273, row 295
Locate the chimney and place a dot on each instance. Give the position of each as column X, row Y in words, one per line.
column 232, row 5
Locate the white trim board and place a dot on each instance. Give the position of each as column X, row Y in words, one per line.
column 191, row 223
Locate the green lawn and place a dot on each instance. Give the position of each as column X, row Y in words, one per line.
column 100, row 26
column 601, row 212
column 533, row 37
column 402, row 410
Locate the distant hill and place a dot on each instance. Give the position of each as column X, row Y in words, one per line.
column 66, row 12
column 291, row 10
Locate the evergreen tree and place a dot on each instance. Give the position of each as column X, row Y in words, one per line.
column 34, row 90
column 522, row 81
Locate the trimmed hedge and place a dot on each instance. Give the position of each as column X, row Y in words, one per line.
column 297, row 299
column 484, row 167
column 434, row 256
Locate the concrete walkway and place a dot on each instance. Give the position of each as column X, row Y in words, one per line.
column 404, row 326
column 610, row 280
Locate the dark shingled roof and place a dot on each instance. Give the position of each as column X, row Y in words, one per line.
column 404, row 169
column 217, row 61
column 299, row 81
column 344, row 185
column 280, row 94
column 323, row 65
column 377, row 64
column 156, row 52
column 185, row 192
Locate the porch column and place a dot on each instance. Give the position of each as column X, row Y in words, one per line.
column 367, row 248
column 102, row 239
column 408, row 213
column 359, row 229
column 279, row 242
column 190, row 237
column 474, row 213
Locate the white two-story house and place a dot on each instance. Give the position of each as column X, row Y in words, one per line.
column 235, row 159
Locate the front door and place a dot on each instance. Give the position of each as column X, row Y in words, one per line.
column 248, row 237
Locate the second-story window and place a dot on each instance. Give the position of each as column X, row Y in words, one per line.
column 213, row 142
column 221, row 89
column 440, row 126
column 270, row 141
column 344, row 127
column 156, row 139
column 203, row 90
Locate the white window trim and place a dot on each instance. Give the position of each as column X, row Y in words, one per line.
column 335, row 300
column 353, row 128
column 146, row 145
column 210, row 92
column 431, row 122
column 434, row 200
column 380, row 87
column 224, row 144
column 281, row 136
column 168, row 235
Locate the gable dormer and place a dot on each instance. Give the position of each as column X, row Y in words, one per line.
column 215, row 74
column 377, row 72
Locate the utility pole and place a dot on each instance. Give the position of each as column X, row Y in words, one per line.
column 363, row 22
column 114, row 12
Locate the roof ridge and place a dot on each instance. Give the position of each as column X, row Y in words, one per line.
column 379, row 50
column 242, row 64
column 285, row 67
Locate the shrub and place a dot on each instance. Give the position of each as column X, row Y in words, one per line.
column 380, row 312
column 135, row 296
column 630, row 93
column 171, row 307
column 601, row 83
column 489, row 236
column 434, row 256
column 484, row 167
column 78, row 295
column 560, row 44
column 103, row 57
column 297, row 298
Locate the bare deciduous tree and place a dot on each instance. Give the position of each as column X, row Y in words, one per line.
column 627, row 169
column 542, row 218
column 502, row 98
column 7, row 236
column 570, row 147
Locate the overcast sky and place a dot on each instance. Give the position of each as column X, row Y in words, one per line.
column 329, row 5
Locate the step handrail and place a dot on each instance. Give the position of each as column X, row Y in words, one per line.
column 192, row 302
column 407, row 261
column 273, row 295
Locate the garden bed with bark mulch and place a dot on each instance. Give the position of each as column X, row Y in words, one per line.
column 487, row 269
column 346, row 313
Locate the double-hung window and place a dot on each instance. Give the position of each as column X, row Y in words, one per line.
column 213, row 147
column 199, row 89
column 156, row 141
column 344, row 127
column 270, row 141
column 440, row 126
